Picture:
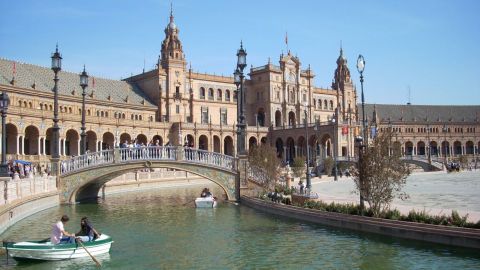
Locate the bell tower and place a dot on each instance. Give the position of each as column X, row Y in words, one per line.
column 172, row 65
column 342, row 83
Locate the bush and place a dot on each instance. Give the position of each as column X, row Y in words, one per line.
column 298, row 166
column 328, row 164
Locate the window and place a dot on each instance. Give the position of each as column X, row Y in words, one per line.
column 177, row 91
column 177, row 109
column 210, row 94
column 278, row 95
column 235, row 95
column 204, row 115
column 304, row 97
column 219, row 94
column 223, row 116
column 202, row 93
column 227, row 95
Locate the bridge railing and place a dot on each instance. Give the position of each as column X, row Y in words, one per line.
column 168, row 153
column 209, row 158
column 87, row 160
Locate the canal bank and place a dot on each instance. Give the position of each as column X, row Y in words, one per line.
column 462, row 237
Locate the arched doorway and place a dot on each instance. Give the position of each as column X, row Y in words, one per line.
column 11, row 138
column 216, row 144
column 421, row 148
column 290, row 149
column 278, row 118
column 203, row 143
column 433, row 148
column 49, row 141
column 142, row 139
column 125, row 138
column 457, row 148
column 190, row 140
column 261, row 117
column 279, row 147
column 72, row 143
column 228, row 146
column 91, row 139
column 408, row 148
column 446, row 148
column 30, row 142
column 157, row 140
column 469, row 148
column 108, row 140
column 252, row 142
column 291, row 119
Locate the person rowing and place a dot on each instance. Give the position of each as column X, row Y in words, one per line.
column 59, row 235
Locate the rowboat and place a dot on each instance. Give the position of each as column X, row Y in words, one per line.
column 45, row 250
column 205, row 202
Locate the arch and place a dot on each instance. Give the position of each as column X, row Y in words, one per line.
column 421, row 148
column 72, row 142
column 228, row 146
column 319, row 104
column 227, row 95
column 203, row 142
column 433, row 148
column 30, row 140
column 325, row 104
column 446, row 148
column 331, row 105
column 264, row 140
column 12, row 133
column 278, row 118
column 301, row 146
column 211, row 94
column 141, row 139
column 219, row 95
column 108, row 140
column 216, row 144
column 291, row 119
column 157, row 140
column 457, row 148
column 49, row 141
column 469, row 148
column 326, row 146
column 261, row 117
column 125, row 138
column 279, row 147
column 91, row 141
column 290, row 154
column 201, row 93
column 408, row 148
column 190, row 140
column 252, row 142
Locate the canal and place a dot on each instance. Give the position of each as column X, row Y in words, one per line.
column 153, row 230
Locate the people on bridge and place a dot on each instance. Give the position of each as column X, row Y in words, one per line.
column 59, row 235
column 87, row 233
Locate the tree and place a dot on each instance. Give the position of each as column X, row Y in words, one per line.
column 328, row 164
column 264, row 158
column 384, row 174
column 298, row 166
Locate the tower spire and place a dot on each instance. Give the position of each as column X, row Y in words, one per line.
column 171, row 11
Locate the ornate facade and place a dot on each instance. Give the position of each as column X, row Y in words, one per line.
column 175, row 105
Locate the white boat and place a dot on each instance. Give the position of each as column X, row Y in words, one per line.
column 206, row 202
column 45, row 250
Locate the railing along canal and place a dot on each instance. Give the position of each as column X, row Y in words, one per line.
column 150, row 153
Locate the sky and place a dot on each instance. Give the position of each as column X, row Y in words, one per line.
column 423, row 52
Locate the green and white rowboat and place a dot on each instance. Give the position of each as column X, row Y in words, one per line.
column 44, row 250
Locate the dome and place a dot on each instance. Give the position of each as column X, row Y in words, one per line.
column 172, row 25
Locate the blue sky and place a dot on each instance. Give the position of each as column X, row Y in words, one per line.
column 431, row 47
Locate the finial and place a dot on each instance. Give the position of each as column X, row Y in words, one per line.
column 171, row 12
column 241, row 44
column 269, row 60
column 56, row 47
column 83, row 67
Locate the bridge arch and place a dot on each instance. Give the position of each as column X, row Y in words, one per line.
column 83, row 176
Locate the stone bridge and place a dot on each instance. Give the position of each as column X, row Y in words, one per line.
column 83, row 176
column 434, row 164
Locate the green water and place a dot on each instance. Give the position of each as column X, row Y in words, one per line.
column 151, row 233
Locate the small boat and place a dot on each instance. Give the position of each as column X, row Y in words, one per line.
column 206, row 202
column 46, row 251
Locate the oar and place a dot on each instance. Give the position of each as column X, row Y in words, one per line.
column 93, row 258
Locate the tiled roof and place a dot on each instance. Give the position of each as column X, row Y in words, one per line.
column 28, row 74
column 422, row 113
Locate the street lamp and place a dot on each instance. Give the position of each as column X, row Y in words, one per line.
column 335, row 146
column 390, row 150
column 56, row 67
column 360, row 145
column 429, row 146
column 238, row 80
column 445, row 142
column 361, row 68
column 308, row 174
column 83, row 84
column 4, row 102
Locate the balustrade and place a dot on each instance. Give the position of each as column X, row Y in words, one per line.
column 15, row 189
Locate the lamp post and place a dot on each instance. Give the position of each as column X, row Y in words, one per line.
column 238, row 79
column 4, row 102
column 83, row 84
column 335, row 146
column 445, row 142
column 360, row 145
column 307, row 174
column 390, row 150
column 56, row 67
column 361, row 68
column 429, row 146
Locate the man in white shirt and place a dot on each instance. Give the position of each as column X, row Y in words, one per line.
column 59, row 235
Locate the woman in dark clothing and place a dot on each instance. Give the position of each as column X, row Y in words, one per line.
column 87, row 233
